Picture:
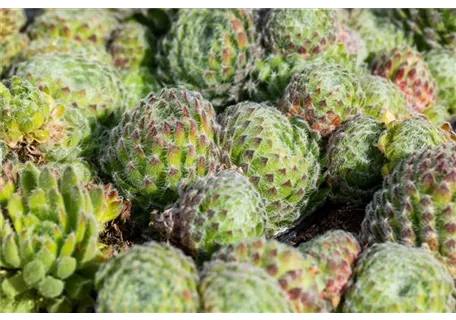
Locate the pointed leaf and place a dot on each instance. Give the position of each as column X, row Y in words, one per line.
column 10, row 251
column 16, row 211
column 89, row 253
column 81, row 228
column 47, row 180
column 88, row 202
column 47, row 254
column 69, row 180
column 27, row 250
column 97, row 198
column 29, row 179
column 89, row 245
column 5, row 228
column 65, row 267
column 72, row 196
column 30, row 221
column 56, row 208
column 68, row 246
column 74, row 205
column 37, row 204
column 58, row 236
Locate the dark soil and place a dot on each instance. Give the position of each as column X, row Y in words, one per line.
column 347, row 217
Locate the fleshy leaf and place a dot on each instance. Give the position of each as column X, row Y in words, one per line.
column 51, row 287
column 33, row 272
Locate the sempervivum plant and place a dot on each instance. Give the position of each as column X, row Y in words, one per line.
column 415, row 207
column 393, row 278
column 354, row 163
column 404, row 137
column 406, row 67
column 336, row 252
column 298, row 274
column 168, row 139
column 149, row 278
column 324, row 94
column 280, row 157
column 210, row 51
column 213, row 212
column 429, row 28
column 308, row 32
column 84, row 25
column 384, row 100
column 230, row 287
column 11, row 21
column 378, row 34
column 133, row 45
column 49, row 237
column 25, row 109
column 35, row 127
column 77, row 82
column 442, row 63
column 133, row 50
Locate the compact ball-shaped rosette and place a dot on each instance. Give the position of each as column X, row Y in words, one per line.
column 324, row 94
column 213, row 212
column 77, row 82
column 416, row 205
column 384, row 100
column 133, row 45
column 406, row 67
column 240, row 287
column 279, row 156
column 377, row 32
column 354, row 162
column 390, row 277
column 148, row 278
column 442, row 63
column 336, row 252
column 307, row 32
column 11, row 20
column 428, row 28
column 298, row 274
column 82, row 25
column 402, row 138
column 210, row 51
column 169, row 139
